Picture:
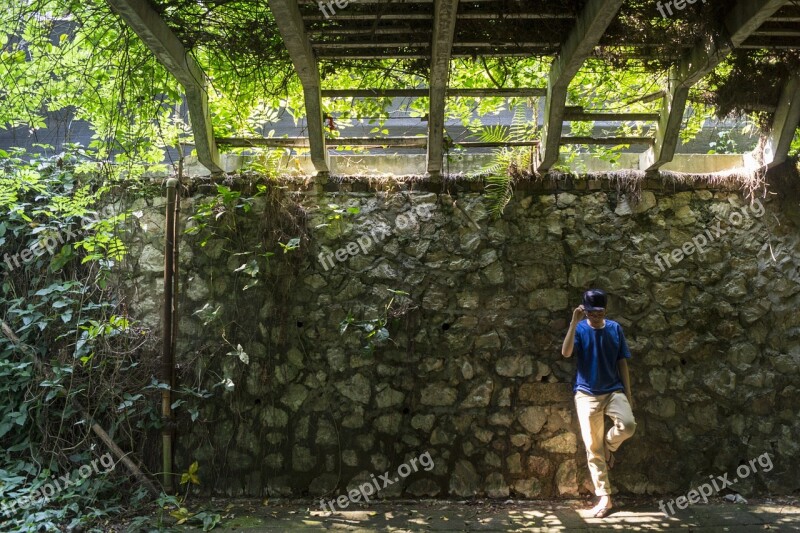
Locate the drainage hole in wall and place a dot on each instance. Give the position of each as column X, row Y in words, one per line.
column 445, row 327
column 683, row 361
column 406, row 410
column 299, row 324
column 257, row 402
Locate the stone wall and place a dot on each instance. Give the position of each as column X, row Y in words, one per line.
column 471, row 372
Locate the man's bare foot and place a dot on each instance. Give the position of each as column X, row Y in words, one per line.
column 603, row 507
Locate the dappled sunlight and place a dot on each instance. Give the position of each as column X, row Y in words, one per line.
column 512, row 515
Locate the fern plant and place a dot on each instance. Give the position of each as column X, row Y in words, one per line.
column 505, row 167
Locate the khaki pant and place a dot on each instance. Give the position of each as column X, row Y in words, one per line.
column 591, row 414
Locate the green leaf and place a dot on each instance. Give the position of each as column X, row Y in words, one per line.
column 241, row 354
column 382, row 335
column 5, row 427
column 177, row 403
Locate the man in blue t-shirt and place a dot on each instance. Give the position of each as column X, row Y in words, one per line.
column 602, row 387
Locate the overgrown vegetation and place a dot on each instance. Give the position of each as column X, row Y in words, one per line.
column 68, row 351
column 72, row 359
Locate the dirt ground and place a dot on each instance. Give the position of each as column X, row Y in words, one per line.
column 641, row 514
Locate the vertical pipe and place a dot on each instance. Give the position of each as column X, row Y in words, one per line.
column 167, row 355
column 176, row 281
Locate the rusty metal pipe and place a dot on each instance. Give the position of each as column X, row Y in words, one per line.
column 168, row 362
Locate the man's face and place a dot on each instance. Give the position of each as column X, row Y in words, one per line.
column 596, row 317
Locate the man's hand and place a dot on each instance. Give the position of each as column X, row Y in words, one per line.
column 569, row 340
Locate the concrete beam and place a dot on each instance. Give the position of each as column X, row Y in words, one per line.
column 170, row 52
column 290, row 24
column 444, row 29
column 585, row 35
column 784, row 125
column 743, row 19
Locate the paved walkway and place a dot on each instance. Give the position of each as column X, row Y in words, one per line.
column 513, row 515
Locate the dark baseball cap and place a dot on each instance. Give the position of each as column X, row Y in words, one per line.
column 594, row 300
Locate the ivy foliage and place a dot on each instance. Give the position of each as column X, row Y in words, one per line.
column 68, row 351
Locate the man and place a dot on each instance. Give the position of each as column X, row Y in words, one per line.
column 602, row 375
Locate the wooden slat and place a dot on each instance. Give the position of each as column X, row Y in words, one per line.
column 409, row 43
column 518, row 16
column 527, row 92
column 788, row 13
column 587, row 32
column 524, row 92
column 344, row 56
column 400, row 142
column 744, row 18
column 444, row 29
column 344, row 45
column 369, row 31
column 342, row 16
column 290, row 24
column 169, row 51
column 577, row 114
column 302, row 142
column 784, row 125
column 610, row 141
column 774, row 29
column 481, row 144
column 761, row 42
column 315, row 3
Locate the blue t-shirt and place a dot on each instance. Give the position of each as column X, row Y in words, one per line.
column 597, row 352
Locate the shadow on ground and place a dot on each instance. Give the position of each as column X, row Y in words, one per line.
column 512, row 515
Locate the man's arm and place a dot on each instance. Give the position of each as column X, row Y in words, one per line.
column 569, row 340
column 622, row 365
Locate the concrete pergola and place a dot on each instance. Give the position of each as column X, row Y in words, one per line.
column 429, row 30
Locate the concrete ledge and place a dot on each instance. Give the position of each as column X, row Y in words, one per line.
column 401, row 165
column 705, row 163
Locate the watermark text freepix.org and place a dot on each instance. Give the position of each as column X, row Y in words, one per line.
column 375, row 485
column 46, row 245
column 43, row 493
column 324, row 6
column 699, row 242
column 717, row 484
column 365, row 242
column 679, row 5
